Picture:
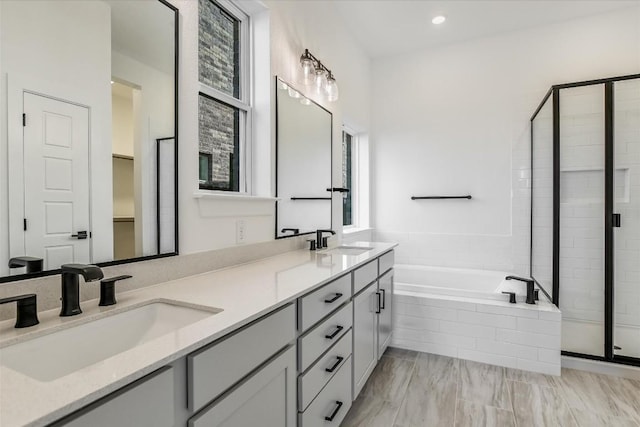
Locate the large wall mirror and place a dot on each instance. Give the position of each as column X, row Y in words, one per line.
column 304, row 141
column 89, row 133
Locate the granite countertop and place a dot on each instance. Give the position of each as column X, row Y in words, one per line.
column 244, row 293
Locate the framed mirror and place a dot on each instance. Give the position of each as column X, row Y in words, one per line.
column 89, row 104
column 304, row 134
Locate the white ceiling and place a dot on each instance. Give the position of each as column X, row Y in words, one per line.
column 389, row 27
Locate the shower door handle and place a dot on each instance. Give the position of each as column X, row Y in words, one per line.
column 616, row 220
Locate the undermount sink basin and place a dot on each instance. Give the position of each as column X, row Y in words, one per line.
column 349, row 250
column 60, row 353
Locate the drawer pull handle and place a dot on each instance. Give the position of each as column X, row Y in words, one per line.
column 339, row 360
column 384, row 297
column 336, row 332
column 379, row 302
column 335, row 411
column 336, row 297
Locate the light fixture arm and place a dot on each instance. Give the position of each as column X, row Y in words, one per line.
column 319, row 64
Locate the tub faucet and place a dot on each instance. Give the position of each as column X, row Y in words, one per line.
column 530, row 287
column 321, row 242
column 71, row 288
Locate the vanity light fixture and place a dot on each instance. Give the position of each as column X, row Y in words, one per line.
column 315, row 73
column 438, row 20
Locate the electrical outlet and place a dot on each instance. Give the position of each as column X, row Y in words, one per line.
column 240, row 231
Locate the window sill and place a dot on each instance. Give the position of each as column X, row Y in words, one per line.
column 220, row 205
column 353, row 230
column 235, row 197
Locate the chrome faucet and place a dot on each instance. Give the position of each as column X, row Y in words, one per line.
column 530, row 288
column 321, row 242
column 71, row 287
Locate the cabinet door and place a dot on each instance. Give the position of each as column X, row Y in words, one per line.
column 147, row 402
column 385, row 288
column 266, row 399
column 365, row 333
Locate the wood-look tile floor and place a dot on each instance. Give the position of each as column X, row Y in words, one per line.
column 410, row 389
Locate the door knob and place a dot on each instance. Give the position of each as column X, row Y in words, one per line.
column 81, row 235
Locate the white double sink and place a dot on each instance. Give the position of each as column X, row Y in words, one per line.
column 52, row 356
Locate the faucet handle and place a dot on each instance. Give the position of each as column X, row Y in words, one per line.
column 312, row 244
column 27, row 314
column 512, row 297
column 108, row 290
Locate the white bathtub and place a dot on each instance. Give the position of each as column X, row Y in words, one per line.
column 463, row 313
column 458, row 282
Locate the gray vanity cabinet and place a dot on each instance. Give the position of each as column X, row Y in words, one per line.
column 146, row 402
column 385, row 289
column 266, row 399
column 365, row 336
column 372, row 317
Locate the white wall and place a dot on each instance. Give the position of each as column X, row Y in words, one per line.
column 455, row 120
column 60, row 49
column 210, row 223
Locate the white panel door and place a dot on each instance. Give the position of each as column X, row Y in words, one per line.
column 56, row 181
column 385, row 322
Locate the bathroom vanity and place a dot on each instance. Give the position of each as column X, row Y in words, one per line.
column 284, row 341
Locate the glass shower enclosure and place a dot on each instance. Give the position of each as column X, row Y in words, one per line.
column 585, row 214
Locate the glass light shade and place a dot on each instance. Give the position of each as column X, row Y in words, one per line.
column 282, row 85
column 320, row 81
column 331, row 89
column 308, row 70
column 294, row 93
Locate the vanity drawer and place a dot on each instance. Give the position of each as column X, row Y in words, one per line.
column 333, row 402
column 385, row 263
column 214, row 369
column 319, row 374
column 364, row 275
column 323, row 301
column 323, row 336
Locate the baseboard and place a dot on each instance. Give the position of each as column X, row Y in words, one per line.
column 599, row 367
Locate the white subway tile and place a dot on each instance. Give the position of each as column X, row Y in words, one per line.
column 554, row 316
column 467, row 330
column 411, row 322
column 529, row 338
column 538, row 326
column 441, row 349
column 549, row 356
column 486, row 319
column 508, row 310
column 541, row 367
column 507, row 349
column 493, row 359
column 426, row 311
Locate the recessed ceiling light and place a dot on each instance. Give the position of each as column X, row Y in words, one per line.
column 438, row 20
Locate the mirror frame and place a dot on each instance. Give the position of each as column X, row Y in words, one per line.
column 176, row 41
column 276, row 79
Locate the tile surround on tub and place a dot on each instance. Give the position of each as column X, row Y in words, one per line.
column 147, row 273
column 522, row 337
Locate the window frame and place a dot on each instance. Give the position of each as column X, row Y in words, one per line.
column 243, row 103
column 355, row 179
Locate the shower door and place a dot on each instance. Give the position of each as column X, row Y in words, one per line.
column 626, row 224
column 586, row 249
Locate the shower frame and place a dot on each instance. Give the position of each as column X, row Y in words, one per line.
column 609, row 204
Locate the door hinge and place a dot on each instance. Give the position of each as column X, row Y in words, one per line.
column 24, row 224
column 616, row 220
column 24, row 119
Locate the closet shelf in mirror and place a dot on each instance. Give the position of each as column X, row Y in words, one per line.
column 123, row 219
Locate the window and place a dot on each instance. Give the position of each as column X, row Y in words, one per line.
column 348, row 181
column 224, row 112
